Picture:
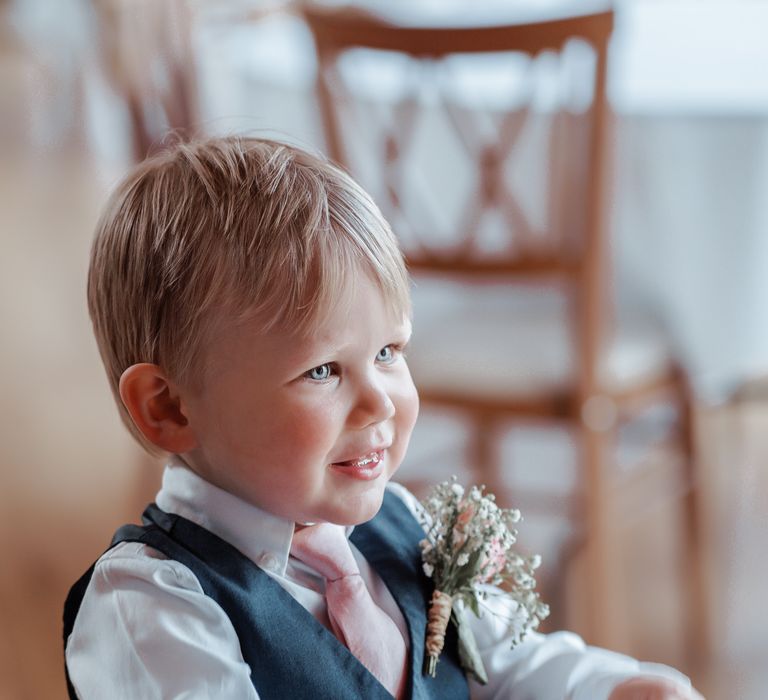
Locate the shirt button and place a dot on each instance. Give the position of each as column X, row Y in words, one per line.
column 268, row 561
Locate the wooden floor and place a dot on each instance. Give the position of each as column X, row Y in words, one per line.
column 69, row 474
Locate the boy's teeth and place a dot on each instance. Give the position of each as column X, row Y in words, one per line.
column 363, row 461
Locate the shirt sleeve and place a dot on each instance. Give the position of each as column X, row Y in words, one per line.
column 552, row 666
column 145, row 629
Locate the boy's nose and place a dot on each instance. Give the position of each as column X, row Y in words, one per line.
column 373, row 406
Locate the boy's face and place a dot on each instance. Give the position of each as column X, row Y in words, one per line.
column 308, row 429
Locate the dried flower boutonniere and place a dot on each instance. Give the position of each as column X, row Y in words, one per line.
column 468, row 543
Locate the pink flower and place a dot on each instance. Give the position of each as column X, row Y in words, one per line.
column 466, row 513
column 494, row 560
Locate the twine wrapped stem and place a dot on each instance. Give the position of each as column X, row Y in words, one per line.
column 437, row 623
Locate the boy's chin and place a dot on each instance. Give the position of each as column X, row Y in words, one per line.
column 358, row 510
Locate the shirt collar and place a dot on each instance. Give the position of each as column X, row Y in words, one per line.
column 262, row 537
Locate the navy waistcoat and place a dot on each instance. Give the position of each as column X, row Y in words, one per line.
column 290, row 653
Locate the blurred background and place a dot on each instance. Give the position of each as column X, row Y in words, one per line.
column 591, row 296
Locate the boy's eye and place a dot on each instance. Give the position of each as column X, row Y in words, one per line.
column 386, row 354
column 319, row 373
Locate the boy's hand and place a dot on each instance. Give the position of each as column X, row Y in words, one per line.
column 653, row 689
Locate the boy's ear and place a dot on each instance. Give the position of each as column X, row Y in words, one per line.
column 156, row 409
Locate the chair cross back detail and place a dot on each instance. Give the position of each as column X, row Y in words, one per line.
column 535, row 247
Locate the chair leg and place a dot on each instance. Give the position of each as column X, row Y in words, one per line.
column 484, row 458
column 602, row 588
column 555, row 585
column 697, row 609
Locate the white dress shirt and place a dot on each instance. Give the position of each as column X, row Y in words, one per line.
column 146, row 629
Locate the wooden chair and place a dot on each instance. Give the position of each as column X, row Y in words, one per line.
column 585, row 384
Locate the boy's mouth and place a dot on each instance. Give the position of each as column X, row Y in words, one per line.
column 370, row 459
column 367, row 467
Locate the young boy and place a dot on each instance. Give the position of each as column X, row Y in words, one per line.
column 252, row 307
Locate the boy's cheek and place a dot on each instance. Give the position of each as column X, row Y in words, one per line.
column 409, row 398
column 414, row 406
column 405, row 420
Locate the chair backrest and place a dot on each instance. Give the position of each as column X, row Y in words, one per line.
column 446, row 127
column 428, row 85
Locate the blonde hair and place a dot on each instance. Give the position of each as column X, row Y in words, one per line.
column 229, row 228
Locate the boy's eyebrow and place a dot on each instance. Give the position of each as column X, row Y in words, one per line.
column 312, row 351
column 403, row 332
column 318, row 350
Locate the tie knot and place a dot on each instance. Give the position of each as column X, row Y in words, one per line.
column 325, row 548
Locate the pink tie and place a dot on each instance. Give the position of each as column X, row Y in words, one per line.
column 367, row 631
